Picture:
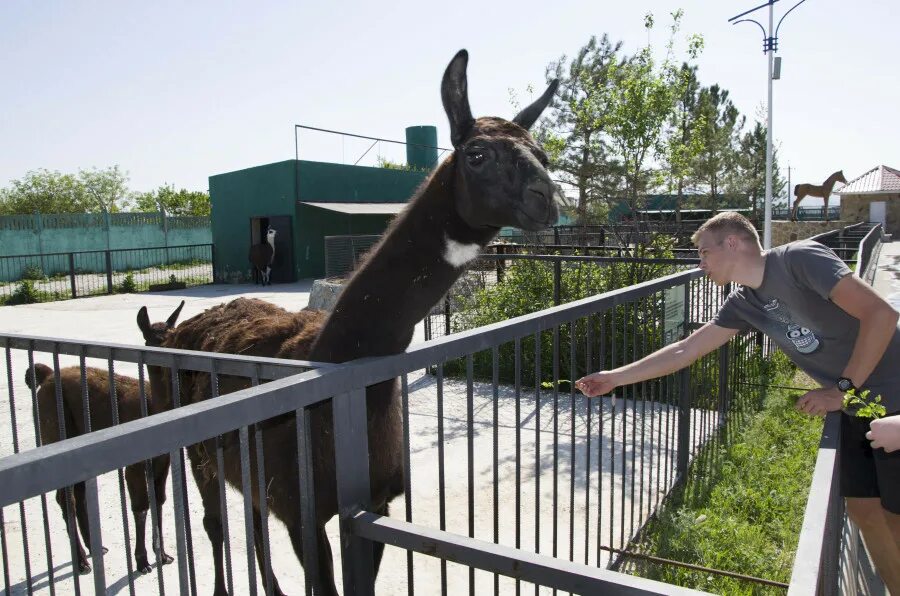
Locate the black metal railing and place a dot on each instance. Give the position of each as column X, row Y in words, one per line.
column 528, row 482
column 58, row 276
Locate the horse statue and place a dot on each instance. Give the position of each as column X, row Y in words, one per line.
column 811, row 190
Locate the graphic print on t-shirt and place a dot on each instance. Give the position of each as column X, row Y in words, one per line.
column 804, row 340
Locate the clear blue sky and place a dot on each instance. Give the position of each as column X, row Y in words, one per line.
column 176, row 91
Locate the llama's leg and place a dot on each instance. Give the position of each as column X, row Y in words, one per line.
column 212, row 514
column 140, row 504
column 264, row 565
column 160, row 475
column 826, row 205
column 378, row 547
column 325, row 584
column 268, row 273
column 67, row 505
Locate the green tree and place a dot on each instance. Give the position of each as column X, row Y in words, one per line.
column 683, row 144
column 174, row 202
column 573, row 132
column 752, row 169
column 46, row 191
column 719, row 125
column 642, row 102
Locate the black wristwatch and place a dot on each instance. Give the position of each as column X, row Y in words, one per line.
column 845, row 384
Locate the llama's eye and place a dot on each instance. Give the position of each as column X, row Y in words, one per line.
column 475, row 158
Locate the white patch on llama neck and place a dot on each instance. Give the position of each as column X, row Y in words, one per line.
column 458, row 254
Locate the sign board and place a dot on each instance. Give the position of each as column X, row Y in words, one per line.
column 673, row 324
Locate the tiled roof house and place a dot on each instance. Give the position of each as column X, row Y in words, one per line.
column 873, row 196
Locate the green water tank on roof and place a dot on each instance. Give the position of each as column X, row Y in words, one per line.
column 421, row 147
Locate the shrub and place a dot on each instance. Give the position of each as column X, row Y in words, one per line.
column 128, row 285
column 33, row 272
column 25, row 294
column 623, row 333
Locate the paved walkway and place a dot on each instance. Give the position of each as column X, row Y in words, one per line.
column 887, row 276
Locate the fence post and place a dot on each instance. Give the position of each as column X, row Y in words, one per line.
column 72, row 273
column 109, row 281
column 353, row 492
column 212, row 260
column 499, row 250
column 723, row 372
column 684, row 400
column 447, row 314
column 557, row 281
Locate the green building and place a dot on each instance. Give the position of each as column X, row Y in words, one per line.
column 305, row 201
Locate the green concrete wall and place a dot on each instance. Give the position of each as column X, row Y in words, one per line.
column 330, row 182
column 313, row 224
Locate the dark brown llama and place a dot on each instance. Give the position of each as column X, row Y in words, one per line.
column 129, row 407
column 261, row 257
column 495, row 177
column 823, row 190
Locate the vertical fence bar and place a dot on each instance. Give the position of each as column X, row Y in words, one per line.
column 495, row 394
column 22, row 520
column 92, row 503
column 36, row 416
column 68, row 492
column 407, row 478
column 72, row 274
column 308, row 520
column 470, row 457
column 442, row 496
column 114, row 413
column 684, row 405
column 187, row 583
column 150, row 475
column 109, row 272
column 352, row 474
column 247, row 490
column 517, row 352
column 537, row 447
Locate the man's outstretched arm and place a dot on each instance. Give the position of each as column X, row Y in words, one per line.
column 662, row 362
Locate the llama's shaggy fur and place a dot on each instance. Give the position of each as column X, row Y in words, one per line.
column 496, row 177
column 129, row 407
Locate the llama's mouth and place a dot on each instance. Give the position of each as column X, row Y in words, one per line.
column 538, row 223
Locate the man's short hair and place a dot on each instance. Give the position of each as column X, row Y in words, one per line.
column 725, row 223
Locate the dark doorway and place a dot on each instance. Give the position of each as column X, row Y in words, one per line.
column 283, row 264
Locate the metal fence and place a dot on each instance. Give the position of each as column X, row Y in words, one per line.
column 57, row 276
column 343, row 253
column 512, row 480
column 537, row 281
column 807, row 213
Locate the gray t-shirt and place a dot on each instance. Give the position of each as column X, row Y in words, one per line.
column 792, row 307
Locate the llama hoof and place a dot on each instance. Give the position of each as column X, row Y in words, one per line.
column 165, row 558
column 144, row 568
column 84, row 567
column 103, row 550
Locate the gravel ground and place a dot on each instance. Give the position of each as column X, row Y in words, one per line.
column 640, row 436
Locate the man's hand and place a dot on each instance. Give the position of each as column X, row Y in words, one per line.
column 885, row 433
column 598, row 383
column 819, row 402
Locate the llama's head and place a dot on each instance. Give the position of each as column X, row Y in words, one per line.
column 499, row 170
column 155, row 334
column 270, row 235
column 839, row 176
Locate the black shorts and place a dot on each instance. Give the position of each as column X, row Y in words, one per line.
column 867, row 472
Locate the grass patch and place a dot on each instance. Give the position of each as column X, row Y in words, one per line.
column 744, row 513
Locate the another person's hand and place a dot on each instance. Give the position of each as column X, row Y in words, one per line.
column 885, row 433
column 819, row 402
column 598, row 383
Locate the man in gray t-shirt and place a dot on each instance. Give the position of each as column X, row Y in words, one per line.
column 829, row 323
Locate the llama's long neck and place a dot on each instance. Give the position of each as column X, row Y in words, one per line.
column 271, row 241
column 416, row 263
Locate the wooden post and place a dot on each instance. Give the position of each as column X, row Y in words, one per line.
column 72, row 274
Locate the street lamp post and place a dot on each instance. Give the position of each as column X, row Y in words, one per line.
column 770, row 46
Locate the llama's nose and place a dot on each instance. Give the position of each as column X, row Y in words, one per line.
column 539, row 189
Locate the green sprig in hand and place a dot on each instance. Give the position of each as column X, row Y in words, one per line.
column 862, row 406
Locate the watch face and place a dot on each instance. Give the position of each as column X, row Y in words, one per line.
column 844, row 384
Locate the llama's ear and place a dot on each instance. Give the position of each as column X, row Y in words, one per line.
column 143, row 321
column 527, row 117
column 173, row 318
column 455, row 95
